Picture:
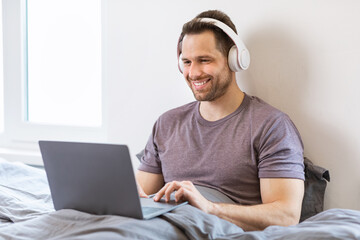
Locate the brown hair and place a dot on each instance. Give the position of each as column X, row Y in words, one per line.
column 223, row 41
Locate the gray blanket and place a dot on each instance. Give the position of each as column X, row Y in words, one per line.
column 26, row 212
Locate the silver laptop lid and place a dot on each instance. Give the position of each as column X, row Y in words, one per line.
column 91, row 177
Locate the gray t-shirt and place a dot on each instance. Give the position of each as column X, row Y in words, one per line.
column 229, row 155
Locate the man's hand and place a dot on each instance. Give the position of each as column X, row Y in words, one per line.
column 184, row 191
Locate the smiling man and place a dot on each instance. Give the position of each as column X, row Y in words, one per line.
column 226, row 140
column 206, row 70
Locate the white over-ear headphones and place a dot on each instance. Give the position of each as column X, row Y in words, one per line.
column 238, row 56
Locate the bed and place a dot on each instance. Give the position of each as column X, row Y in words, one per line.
column 26, row 212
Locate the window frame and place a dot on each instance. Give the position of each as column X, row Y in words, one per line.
column 18, row 133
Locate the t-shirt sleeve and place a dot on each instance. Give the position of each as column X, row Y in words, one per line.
column 281, row 150
column 150, row 161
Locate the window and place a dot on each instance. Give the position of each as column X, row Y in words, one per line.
column 64, row 62
column 1, row 77
column 53, row 78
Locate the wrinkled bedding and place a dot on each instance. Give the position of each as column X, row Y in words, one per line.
column 26, row 212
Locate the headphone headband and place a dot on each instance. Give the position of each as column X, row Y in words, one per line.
column 243, row 56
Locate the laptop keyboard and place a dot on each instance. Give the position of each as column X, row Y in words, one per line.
column 149, row 210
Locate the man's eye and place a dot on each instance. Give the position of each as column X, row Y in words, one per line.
column 186, row 62
column 205, row 60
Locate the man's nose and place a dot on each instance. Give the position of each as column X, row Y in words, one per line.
column 194, row 71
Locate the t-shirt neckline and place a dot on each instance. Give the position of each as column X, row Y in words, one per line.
column 205, row 122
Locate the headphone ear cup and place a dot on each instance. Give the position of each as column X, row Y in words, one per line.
column 180, row 63
column 244, row 59
column 233, row 59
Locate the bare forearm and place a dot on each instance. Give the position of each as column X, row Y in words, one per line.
column 281, row 198
column 149, row 182
column 256, row 217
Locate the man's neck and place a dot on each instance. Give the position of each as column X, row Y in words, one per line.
column 223, row 106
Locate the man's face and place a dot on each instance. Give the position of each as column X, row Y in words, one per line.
column 205, row 67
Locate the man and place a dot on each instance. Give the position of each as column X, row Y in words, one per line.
column 226, row 140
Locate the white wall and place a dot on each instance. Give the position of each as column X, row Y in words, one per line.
column 305, row 61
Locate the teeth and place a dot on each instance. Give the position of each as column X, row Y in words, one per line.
column 200, row 83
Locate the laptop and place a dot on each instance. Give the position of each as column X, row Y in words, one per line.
column 97, row 179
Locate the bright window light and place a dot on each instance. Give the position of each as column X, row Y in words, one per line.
column 64, row 62
column 1, row 76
